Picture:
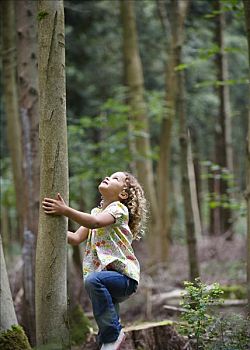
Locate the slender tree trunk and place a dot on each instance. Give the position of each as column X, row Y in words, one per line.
column 135, row 82
column 224, row 155
column 173, row 25
column 247, row 20
column 183, row 134
column 197, row 172
column 11, row 103
column 51, row 258
column 28, row 112
column 7, row 311
column 193, row 190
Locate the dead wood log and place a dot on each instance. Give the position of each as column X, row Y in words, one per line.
column 148, row 336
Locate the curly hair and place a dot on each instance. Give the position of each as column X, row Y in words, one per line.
column 136, row 204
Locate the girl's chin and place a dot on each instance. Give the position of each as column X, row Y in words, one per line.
column 102, row 187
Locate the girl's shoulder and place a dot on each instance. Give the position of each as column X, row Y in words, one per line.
column 118, row 205
column 95, row 211
column 118, row 210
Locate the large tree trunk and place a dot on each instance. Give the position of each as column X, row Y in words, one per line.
column 28, row 111
column 11, row 102
column 135, row 82
column 247, row 19
column 7, row 311
column 223, row 143
column 51, row 258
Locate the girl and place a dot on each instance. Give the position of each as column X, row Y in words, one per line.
column 110, row 269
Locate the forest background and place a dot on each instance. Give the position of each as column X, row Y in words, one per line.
column 159, row 88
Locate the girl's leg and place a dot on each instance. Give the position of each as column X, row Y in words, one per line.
column 103, row 287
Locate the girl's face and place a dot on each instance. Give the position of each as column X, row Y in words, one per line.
column 113, row 187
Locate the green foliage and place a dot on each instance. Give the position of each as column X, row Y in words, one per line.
column 79, row 326
column 41, row 15
column 207, row 331
column 14, row 338
column 197, row 300
column 234, row 292
column 226, row 200
column 229, row 332
column 92, row 158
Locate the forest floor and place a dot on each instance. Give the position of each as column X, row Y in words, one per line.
column 220, row 261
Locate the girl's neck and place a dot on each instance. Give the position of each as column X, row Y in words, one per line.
column 106, row 202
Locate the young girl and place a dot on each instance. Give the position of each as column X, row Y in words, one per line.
column 110, row 269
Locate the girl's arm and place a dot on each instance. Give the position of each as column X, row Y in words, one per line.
column 79, row 236
column 59, row 207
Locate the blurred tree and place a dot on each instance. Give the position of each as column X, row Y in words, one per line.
column 173, row 17
column 51, row 257
column 11, row 103
column 178, row 15
column 221, row 216
column 28, row 112
column 247, row 20
column 140, row 145
column 7, row 314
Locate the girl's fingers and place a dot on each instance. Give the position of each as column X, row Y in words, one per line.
column 49, row 200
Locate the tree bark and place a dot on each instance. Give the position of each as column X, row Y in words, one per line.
column 11, row 103
column 28, row 112
column 134, row 80
column 51, row 258
column 223, row 133
column 193, row 189
column 183, row 137
column 7, row 311
column 247, row 20
column 173, row 24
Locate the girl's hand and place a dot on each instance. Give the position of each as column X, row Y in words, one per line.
column 54, row 206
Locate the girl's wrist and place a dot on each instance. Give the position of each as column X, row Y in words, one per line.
column 65, row 211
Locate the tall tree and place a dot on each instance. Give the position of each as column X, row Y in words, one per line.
column 222, row 216
column 28, row 112
column 133, row 75
column 247, row 20
column 11, row 102
column 180, row 11
column 51, row 257
column 173, row 20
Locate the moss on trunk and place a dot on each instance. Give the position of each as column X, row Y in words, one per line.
column 79, row 326
column 14, row 338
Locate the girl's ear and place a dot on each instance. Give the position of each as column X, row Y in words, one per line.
column 123, row 195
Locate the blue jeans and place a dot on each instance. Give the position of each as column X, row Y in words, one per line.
column 106, row 290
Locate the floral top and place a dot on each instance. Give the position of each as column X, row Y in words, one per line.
column 109, row 248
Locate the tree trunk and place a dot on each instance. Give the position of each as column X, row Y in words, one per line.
column 173, row 25
column 28, row 111
column 135, row 82
column 180, row 9
column 189, row 214
column 193, row 189
column 51, row 258
column 7, row 314
column 197, row 172
column 247, row 20
column 11, row 103
column 223, row 144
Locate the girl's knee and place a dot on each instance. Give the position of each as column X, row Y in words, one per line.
column 90, row 281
